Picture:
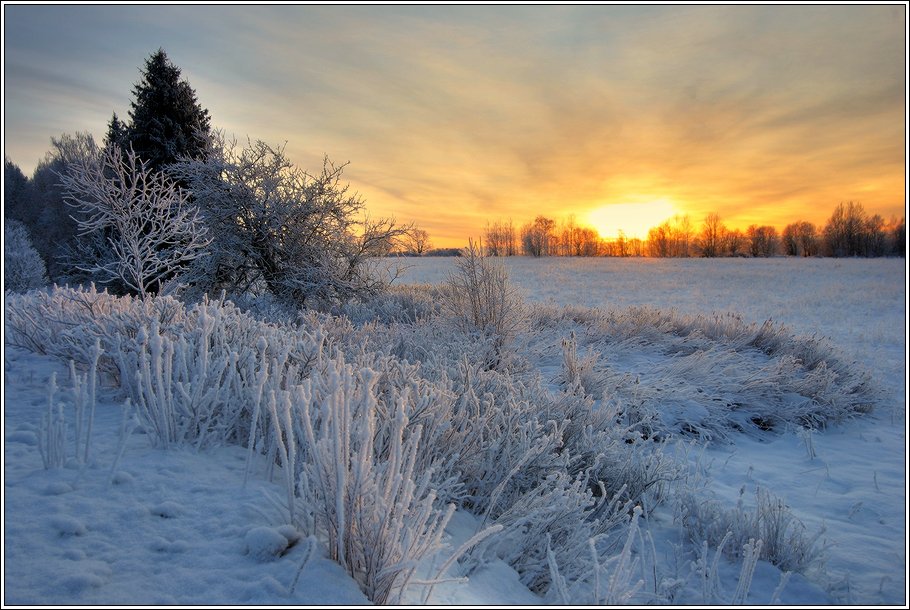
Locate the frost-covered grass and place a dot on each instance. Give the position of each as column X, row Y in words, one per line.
column 568, row 451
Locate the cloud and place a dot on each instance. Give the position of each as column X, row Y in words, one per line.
column 451, row 116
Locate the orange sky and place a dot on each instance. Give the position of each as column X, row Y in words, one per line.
column 454, row 115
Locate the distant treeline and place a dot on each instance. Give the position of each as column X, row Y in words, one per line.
column 850, row 231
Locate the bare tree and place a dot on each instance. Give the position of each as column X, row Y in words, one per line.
column 897, row 234
column 150, row 228
column 710, row 241
column 500, row 238
column 845, row 228
column 734, row 244
column 417, row 241
column 659, row 241
column 799, row 239
column 762, row 240
column 682, row 235
column 537, row 238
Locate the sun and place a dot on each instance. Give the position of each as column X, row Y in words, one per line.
column 634, row 217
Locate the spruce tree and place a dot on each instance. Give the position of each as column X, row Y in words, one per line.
column 116, row 132
column 166, row 120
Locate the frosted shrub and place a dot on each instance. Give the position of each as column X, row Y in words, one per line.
column 580, row 374
column 785, row 540
column 398, row 304
column 358, row 482
column 595, row 579
column 66, row 322
column 23, row 267
column 479, row 298
column 555, row 518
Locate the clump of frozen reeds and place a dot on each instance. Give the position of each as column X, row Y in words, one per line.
column 52, row 431
column 785, row 541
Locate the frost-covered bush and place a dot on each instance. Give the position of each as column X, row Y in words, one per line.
column 301, row 235
column 555, row 520
column 23, row 267
column 358, row 482
column 398, row 304
column 704, row 376
column 479, row 298
column 785, row 542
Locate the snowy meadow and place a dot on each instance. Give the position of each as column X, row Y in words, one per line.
column 622, row 431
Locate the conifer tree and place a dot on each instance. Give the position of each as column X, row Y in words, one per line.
column 116, row 132
column 166, row 120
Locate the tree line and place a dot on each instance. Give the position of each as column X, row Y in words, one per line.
column 850, row 231
column 166, row 202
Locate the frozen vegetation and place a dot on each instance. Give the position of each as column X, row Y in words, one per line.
column 521, row 431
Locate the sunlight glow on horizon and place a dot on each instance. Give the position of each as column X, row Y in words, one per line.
column 634, row 218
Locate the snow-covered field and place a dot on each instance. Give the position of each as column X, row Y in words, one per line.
column 179, row 526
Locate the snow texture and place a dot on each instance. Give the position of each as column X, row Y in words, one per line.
column 671, row 412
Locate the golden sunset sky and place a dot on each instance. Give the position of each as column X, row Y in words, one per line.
column 451, row 116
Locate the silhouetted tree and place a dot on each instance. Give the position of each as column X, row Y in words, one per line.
column 660, row 241
column 844, row 231
column 711, row 239
column 499, row 238
column 53, row 230
column 167, row 122
column 800, row 239
column 897, row 234
column 17, row 200
column 537, row 237
column 762, row 240
column 417, row 241
column 117, row 133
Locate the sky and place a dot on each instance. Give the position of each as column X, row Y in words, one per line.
column 455, row 116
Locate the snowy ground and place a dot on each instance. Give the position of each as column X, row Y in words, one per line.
column 178, row 527
column 855, row 486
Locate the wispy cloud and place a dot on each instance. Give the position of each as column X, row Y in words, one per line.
column 454, row 115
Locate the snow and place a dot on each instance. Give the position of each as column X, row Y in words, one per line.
column 181, row 527
column 855, row 487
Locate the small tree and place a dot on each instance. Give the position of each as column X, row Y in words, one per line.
column 143, row 215
column 23, row 268
column 116, row 132
column 417, row 241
